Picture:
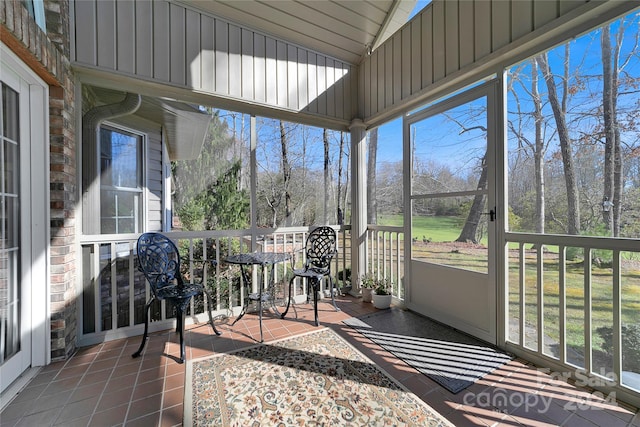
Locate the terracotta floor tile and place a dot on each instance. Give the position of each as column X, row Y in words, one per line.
column 103, row 385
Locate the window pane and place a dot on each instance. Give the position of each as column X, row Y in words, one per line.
column 120, row 210
column 211, row 192
column 449, row 149
column 301, row 174
column 11, row 177
column 10, row 281
column 11, row 213
column 120, row 159
column 384, row 185
column 121, row 182
column 436, row 225
column 10, row 109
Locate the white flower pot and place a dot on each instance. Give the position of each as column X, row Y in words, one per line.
column 381, row 301
column 367, row 294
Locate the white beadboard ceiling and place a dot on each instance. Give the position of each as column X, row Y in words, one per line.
column 343, row 29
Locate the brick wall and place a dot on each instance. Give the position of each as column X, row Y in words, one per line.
column 47, row 55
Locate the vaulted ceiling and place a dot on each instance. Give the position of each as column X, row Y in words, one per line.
column 343, row 29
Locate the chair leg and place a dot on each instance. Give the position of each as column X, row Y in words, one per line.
column 180, row 320
column 288, row 299
column 146, row 328
column 316, row 289
column 333, row 300
column 209, row 299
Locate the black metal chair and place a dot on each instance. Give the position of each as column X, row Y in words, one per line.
column 320, row 248
column 159, row 261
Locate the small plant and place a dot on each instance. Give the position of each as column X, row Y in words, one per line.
column 368, row 281
column 344, row 276
column 383, row 287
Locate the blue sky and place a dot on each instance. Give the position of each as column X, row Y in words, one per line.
column 420, row 4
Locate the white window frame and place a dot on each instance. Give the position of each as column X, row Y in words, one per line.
column 141, row 222
column 35, row 230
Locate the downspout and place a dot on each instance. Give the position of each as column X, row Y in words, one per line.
column 91, row 122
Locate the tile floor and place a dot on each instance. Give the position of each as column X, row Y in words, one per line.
column 103, row 386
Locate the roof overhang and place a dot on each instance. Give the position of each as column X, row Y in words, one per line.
column 185, row 126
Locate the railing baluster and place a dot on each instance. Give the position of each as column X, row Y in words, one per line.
column 132, row 287
column 617, row 317
column 522, row 288
column 588, row 366
column 97, row 296
column 540, row 296
column 562, row 298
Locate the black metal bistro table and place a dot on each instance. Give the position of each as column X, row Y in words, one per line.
column 264, row 260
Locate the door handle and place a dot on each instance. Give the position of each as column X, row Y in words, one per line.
column 492, row 214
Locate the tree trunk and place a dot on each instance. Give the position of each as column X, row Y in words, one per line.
column 538, row 153
column 372, row 204
column 618, row 158
column 286, row 175
column 469, row 232
column 612, row 191
column 327, row 181
column 609, row 130
column 339, row 209
column 559, row 112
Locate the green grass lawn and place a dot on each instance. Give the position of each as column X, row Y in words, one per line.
column 447, row 229
column 435, row 228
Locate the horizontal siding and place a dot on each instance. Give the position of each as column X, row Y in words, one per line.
column 452, row 40
column 167, row 43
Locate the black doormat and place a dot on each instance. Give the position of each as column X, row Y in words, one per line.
column 453, row 359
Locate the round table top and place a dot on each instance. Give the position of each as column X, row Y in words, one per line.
column 258, row 258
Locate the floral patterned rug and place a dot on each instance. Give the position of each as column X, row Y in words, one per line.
column 315, row 379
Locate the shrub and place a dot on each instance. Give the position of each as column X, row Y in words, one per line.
column 345, row 275
column 630, row 345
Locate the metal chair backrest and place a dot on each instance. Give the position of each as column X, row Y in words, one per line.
column 159, row 260
column 320, row 248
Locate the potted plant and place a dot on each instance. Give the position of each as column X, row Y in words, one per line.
column 367, row 283
column 382, row 295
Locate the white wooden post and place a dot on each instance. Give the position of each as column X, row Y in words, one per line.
column 358, row 203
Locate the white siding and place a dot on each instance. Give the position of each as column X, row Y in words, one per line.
column 154, row 182
column 166, row 43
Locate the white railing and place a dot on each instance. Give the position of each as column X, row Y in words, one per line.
column 113, row 293
column 573, row 305
column 385, row 255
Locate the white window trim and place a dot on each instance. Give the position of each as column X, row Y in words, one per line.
column 35, row 136
column 143, row 159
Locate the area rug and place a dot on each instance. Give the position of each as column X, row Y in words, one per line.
column 451, row 358
column 315, row 379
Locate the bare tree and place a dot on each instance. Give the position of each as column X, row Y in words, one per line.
column 469, row 231
column 537, row 147
column 372, row 203
column 559, row 107
column 286, row 174
column 539, row 150
column 339, row 202
column 613, row 158
column 327, row 176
